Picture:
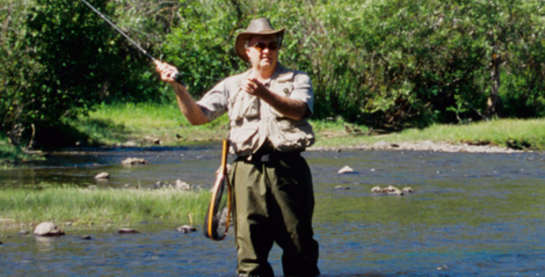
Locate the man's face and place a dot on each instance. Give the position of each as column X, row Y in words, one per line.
column 262, row 51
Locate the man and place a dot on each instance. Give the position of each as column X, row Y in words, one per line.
column 268, row 107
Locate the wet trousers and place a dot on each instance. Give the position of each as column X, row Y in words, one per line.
column 274, row 202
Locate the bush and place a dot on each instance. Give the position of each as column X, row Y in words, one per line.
column 60, row 59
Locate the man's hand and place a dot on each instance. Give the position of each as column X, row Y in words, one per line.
column 254, row 87
column 294, row 109
column 166, row 71
column 186, row 103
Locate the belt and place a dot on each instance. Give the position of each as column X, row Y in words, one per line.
column 270, row 157
column 267, row 154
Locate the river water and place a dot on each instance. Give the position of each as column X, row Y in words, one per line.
column 470, row 214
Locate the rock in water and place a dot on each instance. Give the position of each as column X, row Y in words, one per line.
column 376, row 189
column 392, row 190
column 395, row 192
column 346, row 169
column 408, row 190
column 102, row 176
column 341, row 187
column 134, row 161
column 127, row 231
column 48, row 229
column 186, row 229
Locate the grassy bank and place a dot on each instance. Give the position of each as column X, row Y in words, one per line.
column 522, row 134
column 100, row 209
column 150, row 123
column 118, row 123
column 143, row 122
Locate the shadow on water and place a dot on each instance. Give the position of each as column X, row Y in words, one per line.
column 470, row 214
column 79, row 166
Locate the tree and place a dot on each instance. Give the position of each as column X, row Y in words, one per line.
column 61, row 59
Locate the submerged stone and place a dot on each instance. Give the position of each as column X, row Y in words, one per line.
column 395, row 191
column 376, row 189
column 102, row 176
column 340, row 187
column 186, row 229
column 392, row 190
column 127, row 231
column 408, row 190
column 48, row 229
column 345, row 170
column 134, row 161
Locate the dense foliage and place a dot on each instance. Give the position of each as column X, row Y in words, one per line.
column 385, row 63
column 58, row 60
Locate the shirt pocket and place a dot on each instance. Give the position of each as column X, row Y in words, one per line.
column 243, row 106
column 283, row 89
column 292, row 135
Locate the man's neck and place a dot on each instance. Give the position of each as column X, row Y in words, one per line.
column 264, row 74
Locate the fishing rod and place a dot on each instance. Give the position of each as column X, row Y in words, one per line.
column 218, row 215
column 134, row 43
column 177, row 77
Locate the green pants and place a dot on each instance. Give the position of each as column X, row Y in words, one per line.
column 274, row 202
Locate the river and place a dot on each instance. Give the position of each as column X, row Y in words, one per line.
column 470, row 214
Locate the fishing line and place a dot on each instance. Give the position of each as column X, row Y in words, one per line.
column 178, row 77
column 134, row 43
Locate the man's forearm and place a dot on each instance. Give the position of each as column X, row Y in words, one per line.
column 188, row 106
column 291, row 108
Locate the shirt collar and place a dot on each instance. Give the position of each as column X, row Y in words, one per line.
column 280, row 75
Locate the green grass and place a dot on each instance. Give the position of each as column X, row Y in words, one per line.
column 499, row 132
column 118, row 123
column 526, row 134
column 122, row 122
column 102, row 209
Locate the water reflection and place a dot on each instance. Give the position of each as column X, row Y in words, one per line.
column 44, row 244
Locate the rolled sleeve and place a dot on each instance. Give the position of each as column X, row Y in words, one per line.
column 303, row 90
column 214, row 102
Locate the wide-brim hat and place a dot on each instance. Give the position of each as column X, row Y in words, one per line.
column 260, row 27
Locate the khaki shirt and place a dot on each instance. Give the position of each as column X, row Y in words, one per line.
column 253, row 121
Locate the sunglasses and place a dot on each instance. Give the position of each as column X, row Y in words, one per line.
column 273, row 45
